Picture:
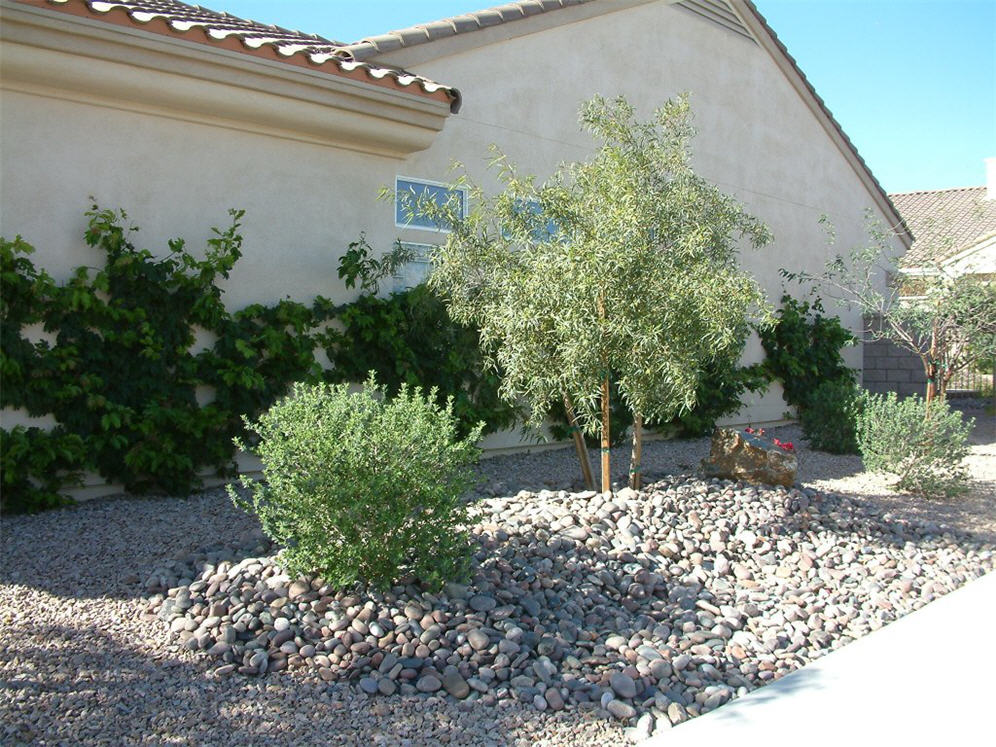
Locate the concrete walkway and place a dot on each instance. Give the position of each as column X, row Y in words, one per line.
column 928, row 678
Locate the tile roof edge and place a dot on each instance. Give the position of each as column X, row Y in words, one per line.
column 333, row 63
column 464, row 23
column 899, row 224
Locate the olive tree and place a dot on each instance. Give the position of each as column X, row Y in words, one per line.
column 623, row 265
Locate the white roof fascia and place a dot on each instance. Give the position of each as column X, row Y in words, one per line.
column 64, row 56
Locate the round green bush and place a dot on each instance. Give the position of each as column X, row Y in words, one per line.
column 829, row 419
column 924, row 446
column 361, row 487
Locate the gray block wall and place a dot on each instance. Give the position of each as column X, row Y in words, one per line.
column 888, row 368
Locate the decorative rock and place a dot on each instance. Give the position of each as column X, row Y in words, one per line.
column 369, row 685
column 428, row 684
column 482, row 603
column 297, row 589
column 620, row 710
column 455, row 684
column 644, row 727
column 736, row 455
column 478, row 639
column 623, row 685
column 676, row 713
column 625, row 600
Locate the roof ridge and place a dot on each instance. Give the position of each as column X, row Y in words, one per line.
column 477, row 20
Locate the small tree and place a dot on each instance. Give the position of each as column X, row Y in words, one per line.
column 947, row 320
column 624, row 264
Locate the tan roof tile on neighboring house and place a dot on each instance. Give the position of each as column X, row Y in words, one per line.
column 944, row 222
column 231, row 32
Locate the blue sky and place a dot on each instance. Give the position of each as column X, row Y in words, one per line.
column 912, row 82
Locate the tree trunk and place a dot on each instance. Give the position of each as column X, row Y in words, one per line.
column 635, row 477
column 579, row 445
column 606, row 439
column 932, row 367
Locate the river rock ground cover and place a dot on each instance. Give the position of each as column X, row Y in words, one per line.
column 588, row 617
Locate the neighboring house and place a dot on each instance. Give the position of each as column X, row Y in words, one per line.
column 176, row 113
column 954, row 229
column 954, row 232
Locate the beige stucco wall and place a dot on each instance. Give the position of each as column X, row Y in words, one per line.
column 176, row 175
column 757, row 139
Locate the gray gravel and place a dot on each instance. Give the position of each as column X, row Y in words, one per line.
column 85, row 658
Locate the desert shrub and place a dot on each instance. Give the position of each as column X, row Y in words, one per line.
column 923, row 444
column 829, row 420
column 360, row 487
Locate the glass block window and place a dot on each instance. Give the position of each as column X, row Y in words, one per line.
column 415, row 271
column 408, row 192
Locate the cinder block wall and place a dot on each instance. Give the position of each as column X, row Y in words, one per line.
column 888, row 368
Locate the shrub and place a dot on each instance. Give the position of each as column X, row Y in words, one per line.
column 35, row 465
column 718, row 394
column 363, row 488
column 924, row 445
column 802, row 349
column 829, row 420
column 408, row 338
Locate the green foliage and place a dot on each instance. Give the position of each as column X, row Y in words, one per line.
column 922, row 444
column 949, row 325
column 122, row 377
column 362, row 487
column 718, row 394
column 357, row 264
column 36, row 465
column 803, row 347
column 409, row 338
column 624, row 263
column 121, row 374
column 829, row 419
column 620, row 419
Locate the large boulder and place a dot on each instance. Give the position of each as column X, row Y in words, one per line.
column 738, row 455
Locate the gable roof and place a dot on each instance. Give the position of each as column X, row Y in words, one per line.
column 945, row 222
column 739, row 16
column 714, row 10
column 197, row 24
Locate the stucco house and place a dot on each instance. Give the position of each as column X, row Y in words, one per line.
column 177, row 113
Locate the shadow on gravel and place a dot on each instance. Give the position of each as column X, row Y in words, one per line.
column 81, row 686
column 112, row 548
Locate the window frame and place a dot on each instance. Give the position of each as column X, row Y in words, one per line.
column 427, row 183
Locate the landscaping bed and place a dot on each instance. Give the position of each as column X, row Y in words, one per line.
column 586, row 615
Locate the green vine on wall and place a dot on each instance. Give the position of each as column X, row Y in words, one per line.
column 802, row 349
column 121, row 376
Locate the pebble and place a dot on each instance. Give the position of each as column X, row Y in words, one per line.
column 623, row 685
column 428, row 684
column 620, row 710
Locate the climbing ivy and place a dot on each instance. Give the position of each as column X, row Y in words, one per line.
column 802, row 348
column 409, row 338
column 138, row 402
